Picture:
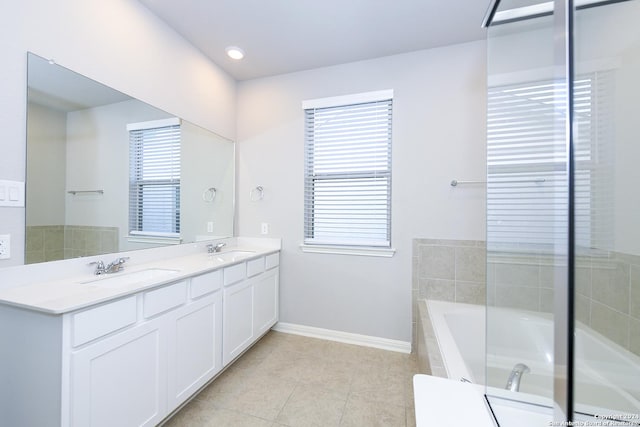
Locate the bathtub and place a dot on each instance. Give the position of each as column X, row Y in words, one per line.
column 607, row 376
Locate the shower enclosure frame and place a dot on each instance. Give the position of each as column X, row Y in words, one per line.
column 566, row 51
column 564, row 304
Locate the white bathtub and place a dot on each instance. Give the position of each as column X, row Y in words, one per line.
column 607, row 375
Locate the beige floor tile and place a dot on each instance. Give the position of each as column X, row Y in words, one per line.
column 405, row 363
column 311, row 406
column 408, row 392
column 410, row 417
column 249, row 363
column 227, row 418
column 292, row 367
column 263, row 397
column 204, row 414
column 258, row 353
column 391, row 392
column 224, row 388
column 289, row 380
column 361, row 413
column 331, row 376
column 193, row 414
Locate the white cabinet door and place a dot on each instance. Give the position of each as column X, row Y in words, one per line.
column 121, row 380
column 195, row 347
column 265, row 302
column 237, row 320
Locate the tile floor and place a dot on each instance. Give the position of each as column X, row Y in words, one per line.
column 294, row 381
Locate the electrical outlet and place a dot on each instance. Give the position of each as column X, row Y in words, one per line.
column 5, row 246
column 265, row 228
column 210, row 227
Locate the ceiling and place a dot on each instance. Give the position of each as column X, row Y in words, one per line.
column 283, row 36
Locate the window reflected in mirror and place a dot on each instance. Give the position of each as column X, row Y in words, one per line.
column 80, row 183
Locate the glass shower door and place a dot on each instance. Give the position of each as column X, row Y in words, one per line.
column 527, row 208
column 607, row 174
column 563, row 239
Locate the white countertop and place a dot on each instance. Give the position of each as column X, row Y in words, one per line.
column 71, row 292
column 447, row 403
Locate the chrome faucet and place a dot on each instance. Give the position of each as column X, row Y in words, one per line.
column 513, row 383
column 112, row 267
column 99, row 267
column 215, row 248
column 116, row 265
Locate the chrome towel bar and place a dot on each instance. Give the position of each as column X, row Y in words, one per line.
column 74, row 192
column 455, row 182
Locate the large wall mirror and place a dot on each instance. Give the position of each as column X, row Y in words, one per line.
column 104, row 173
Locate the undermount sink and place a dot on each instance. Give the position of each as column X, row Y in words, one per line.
column 123, row 279
column 233, row 255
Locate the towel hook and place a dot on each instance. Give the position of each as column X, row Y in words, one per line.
column 209, row 194
column 260, row 190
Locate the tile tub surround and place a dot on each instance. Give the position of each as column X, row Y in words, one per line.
column 429, row 356
column 607, row 284
column 291, row 380
column 607, row 290
column 56, row 242
column 447, row 270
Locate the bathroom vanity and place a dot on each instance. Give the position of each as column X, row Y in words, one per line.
column 127, row 349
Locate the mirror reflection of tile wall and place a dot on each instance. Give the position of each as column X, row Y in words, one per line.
column 56, row 242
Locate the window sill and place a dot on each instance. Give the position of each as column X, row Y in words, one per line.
column 349, row 250
column 154, row 239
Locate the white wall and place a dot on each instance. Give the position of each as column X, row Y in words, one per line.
column 46, row 151
column 118, row 43
column 206, row 161
column 438, row 135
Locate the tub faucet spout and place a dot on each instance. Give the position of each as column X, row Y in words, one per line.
column 513, row 383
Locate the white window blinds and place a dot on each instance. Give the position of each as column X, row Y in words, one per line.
column 526, row 164
column 154, row 179
column 348, row 174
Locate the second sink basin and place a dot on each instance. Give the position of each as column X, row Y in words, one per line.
column 116, row 280
column 234, row 255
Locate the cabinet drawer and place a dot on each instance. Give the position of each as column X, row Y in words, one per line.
column 272, row 261
column 234, row 274
column 206, row 283
column 255, row 267
column 164, row 299
column 96, row 322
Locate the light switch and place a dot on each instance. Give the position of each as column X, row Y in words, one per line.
column 14, row 195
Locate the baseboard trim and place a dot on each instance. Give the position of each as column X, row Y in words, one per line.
column 344, row 337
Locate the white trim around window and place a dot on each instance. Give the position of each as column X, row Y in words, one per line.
column 348, row 250
column 348, row 174
column 357, row 98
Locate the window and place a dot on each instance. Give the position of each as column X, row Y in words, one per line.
column 154, row 179
column 348, row 170
column 526, row 165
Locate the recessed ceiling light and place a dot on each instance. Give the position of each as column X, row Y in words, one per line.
column 235, row 52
